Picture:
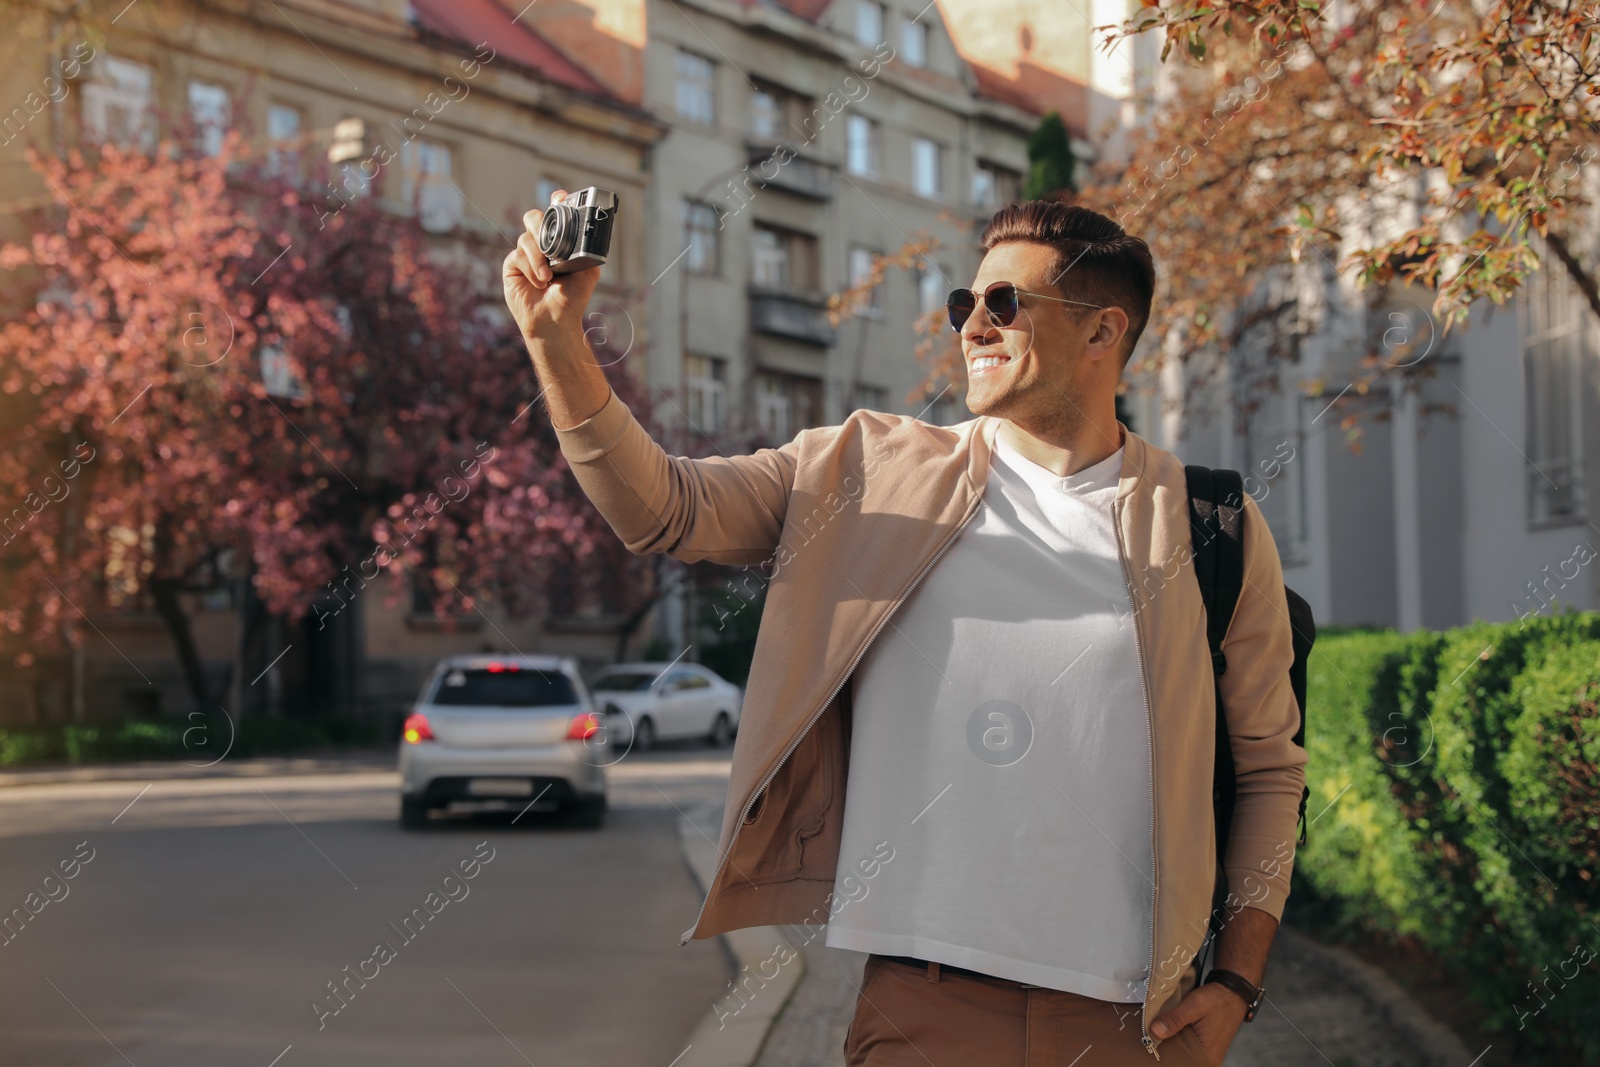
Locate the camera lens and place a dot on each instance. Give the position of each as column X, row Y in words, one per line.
column 558, row 232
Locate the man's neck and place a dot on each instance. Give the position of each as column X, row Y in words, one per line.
column 1069, row 453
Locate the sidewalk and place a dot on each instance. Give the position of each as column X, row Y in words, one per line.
column 1324, row 1005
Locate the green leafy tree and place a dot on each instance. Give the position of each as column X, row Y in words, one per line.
column 1050, row 161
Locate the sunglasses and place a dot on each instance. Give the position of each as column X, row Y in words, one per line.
column 999, row 301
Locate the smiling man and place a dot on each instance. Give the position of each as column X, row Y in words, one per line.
column 977, row 738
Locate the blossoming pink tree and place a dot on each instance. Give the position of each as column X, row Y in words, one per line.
column 251, row 388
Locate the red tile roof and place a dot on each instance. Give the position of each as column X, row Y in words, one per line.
column 473, row 22
column 810, row 10
column 1037, row 90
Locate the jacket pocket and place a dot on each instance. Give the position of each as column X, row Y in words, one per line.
column 792, row 828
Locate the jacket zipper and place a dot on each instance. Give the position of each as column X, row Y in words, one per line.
column 862, row 651
column 1150, row 733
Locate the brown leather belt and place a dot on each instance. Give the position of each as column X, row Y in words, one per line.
column 944, row 968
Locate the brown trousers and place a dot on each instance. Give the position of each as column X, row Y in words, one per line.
column 910, row 1017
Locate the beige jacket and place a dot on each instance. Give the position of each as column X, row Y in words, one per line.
column 843, row 521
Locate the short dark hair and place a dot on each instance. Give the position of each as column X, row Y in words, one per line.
column 1096, row 261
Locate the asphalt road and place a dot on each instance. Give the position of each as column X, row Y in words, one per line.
column 205, row 919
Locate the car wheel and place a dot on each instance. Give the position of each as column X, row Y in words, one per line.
column 644, row 735
column 721, row 731
column 413, row 812
column 588, row 813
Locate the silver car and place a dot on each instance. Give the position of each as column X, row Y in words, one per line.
column 504, row 732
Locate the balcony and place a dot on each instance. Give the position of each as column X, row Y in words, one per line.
column 779, row 167
column 786, row 313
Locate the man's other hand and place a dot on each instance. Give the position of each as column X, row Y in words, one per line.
column 1215, row 1012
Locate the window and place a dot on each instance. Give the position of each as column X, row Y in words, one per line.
column 277, row 374
column 993, row 186
column 1553, row 357
column 624, row 681
column 861, row 260
column 702, row 234
column 927, row 167
column 350, row 156
column 544, row 191
column 117, row 104
column 426, row 185
column 211, row 111
column 503, row 685
column 783, row 259
column 283, row 140
column 914, row 42
column 869, row 22
column 766, row 114
column 705, row 391
column 696, row 88
column 769, row 256
column 772, row 407
column 351, row 179
column 931, row 290
column 872, row 398
column 684, row 679
column 862, row 149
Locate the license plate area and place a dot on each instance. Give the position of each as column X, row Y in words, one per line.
column 500, row 787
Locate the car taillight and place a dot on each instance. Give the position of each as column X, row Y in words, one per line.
column 583, row 727
column 417, row 730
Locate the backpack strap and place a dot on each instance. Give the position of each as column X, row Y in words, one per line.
column 1216, row 536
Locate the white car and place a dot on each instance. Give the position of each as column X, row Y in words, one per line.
column 642, row 703
column 504, row 732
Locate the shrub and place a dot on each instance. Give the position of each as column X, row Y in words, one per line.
column 1468, row 811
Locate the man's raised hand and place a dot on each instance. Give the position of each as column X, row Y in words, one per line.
column 547, row 306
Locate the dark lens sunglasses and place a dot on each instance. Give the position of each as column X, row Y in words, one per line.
column 999, row 301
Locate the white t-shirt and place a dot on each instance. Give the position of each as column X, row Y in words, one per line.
column 1000, row 752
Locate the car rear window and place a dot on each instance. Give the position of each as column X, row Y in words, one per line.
column 508, row 687
column 625, row 681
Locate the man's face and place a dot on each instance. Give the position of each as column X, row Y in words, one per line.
column 1029, row 368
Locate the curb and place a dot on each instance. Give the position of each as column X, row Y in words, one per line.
column 161, row 770
column 734, row 1036
column 1384, row 995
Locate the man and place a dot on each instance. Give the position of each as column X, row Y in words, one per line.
column 989, row 638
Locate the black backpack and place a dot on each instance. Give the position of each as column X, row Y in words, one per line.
column 1216, row 532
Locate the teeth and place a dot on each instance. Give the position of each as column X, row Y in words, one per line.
column 985, row 362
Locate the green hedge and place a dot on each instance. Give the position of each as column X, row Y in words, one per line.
column 195, row 741
column 1456, row 806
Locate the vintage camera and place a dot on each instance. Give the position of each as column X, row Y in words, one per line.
column 575, row 233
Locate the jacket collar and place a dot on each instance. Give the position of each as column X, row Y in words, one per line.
column 981, row 450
